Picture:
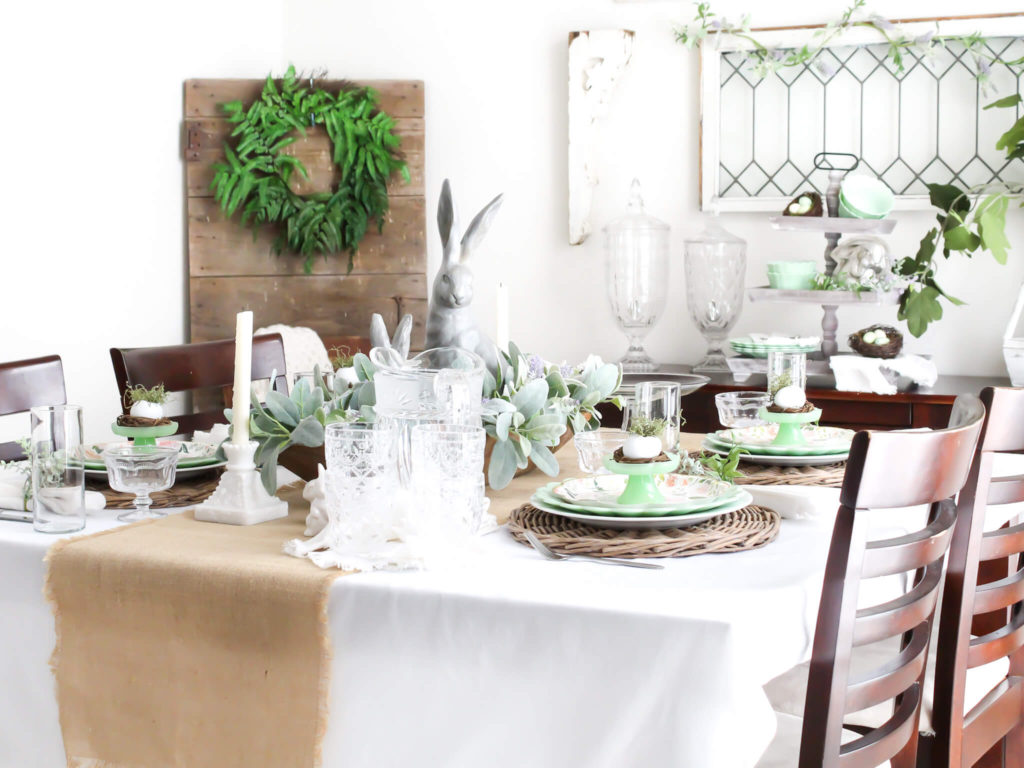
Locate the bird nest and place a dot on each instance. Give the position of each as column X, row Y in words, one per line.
column 884, row 351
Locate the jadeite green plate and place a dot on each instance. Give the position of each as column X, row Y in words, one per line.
column 547, row 495
column 680, row 492
column 626, row 522
column 772, row 450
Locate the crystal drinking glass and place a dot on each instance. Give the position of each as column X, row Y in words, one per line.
column 739, row 409
column 715, row 269
column 636, row 254
column 142, row 470
column 58, row 470
column 448, row 476
column 361, row 480
column 441, row 385
column 593, row 446
column 656, row 400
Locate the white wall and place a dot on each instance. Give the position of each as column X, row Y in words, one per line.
column 93, row 207
column 93, row 211
column 496, row 121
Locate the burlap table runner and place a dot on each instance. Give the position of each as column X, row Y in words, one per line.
column 182, row 643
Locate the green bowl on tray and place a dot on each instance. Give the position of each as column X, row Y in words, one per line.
column 864, row 197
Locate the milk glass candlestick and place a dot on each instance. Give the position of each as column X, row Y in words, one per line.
column 243, row 379
column 501, row 337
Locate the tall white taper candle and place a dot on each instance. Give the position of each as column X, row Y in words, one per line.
column 501, row 332
column 243, row 379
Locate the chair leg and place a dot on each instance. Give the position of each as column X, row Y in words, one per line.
column 1013, row 752
column 907, row 757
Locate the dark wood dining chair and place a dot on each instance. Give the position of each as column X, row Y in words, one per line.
column 886, row 470
column 195, row 367
column 26, row 384
column 962, row 739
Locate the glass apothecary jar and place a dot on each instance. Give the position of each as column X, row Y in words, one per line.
column 716, row 265
column 636, row 257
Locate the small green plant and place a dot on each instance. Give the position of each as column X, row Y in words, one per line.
column 646, row 427
column 341, row 357
column 781, row 381
column 725, row 468
column 141, row 394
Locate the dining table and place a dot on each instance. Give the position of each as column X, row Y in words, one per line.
column 506, row 658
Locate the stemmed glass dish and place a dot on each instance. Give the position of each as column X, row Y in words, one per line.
column 740, row 409
column 142, row 470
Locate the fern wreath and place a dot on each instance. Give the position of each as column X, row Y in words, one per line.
column 255, row 177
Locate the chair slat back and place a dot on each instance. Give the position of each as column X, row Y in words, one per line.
column 886, row 470
column 962, row 739
column 187, row 367
column 25, row 384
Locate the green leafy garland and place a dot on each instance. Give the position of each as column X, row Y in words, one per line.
column 969, row 220
column 767, row 59
column 256, row 175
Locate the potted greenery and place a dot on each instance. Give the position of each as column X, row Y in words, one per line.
column 530, row 410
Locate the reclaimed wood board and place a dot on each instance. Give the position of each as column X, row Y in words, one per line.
column 231, row 269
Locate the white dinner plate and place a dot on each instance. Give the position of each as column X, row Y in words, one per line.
column 782, row 461
column 638, row 523
column 683, row 494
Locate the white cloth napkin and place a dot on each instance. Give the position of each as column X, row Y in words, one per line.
column 792, row 503
column 218, row 434
column 12, row 491
column 374, row 543
column 867, row 374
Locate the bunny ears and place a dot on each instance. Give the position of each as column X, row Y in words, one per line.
column 399, row 343
column 448, row 225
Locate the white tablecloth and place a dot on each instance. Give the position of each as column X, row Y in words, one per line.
column 515, row 661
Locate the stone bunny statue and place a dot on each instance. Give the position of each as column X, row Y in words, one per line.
column 450, row 322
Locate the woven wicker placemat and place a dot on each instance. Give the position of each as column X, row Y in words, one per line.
column 185, row 492
column 825, row 476
column 749, row 528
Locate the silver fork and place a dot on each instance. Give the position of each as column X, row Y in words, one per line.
column 550, row 554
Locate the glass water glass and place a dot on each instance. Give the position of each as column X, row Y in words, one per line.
column 740, row 409
column 362, row 461
column 448, row 475
column 786, row 369
column 142, row 470
column 657, row 400
column 58, row 469
column 593, row 446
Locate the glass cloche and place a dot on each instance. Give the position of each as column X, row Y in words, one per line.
column 636, row 257
column 716, row 265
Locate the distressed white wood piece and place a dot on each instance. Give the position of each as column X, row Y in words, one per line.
column 831, row 298
column 714, row 46
column 597, row 59
column 829, row 224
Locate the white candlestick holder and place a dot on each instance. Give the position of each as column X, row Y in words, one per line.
column 240, row 498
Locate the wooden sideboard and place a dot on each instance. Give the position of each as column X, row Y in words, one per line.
column 913, row 408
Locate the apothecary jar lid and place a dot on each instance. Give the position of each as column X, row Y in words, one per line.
column 635, row 219
column 714, row 232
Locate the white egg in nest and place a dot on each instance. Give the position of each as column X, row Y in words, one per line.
column 144, row 409
column 640, row 447
column 790, row 397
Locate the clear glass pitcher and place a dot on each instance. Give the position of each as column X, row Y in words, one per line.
column 438, row 386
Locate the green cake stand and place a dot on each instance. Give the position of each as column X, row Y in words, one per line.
column 641, row 487
column 791, row 431
column 145, row 435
